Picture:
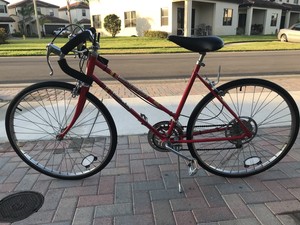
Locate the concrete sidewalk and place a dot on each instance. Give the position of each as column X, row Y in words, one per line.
column 139, row 186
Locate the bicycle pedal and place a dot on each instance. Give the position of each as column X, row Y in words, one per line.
column 193, row 167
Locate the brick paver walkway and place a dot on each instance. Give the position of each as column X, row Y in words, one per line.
column 140, row 187
column 158, row 88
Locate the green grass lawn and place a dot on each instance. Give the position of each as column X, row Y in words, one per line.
column 130, row 45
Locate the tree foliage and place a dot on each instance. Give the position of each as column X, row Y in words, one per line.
column 3, row 35
column 112, row 24
column 24, row 14
column 42, row 20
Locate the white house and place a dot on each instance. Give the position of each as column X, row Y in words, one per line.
column 80, row 13
column 196, row 17
column 173, row 16
column 260, row 17
column 291, row 14
column 6, row 21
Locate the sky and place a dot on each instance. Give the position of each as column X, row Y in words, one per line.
column 54, row 2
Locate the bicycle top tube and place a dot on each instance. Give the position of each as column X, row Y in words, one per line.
column 196, row 44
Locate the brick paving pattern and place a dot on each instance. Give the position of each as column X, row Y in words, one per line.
column 139, row 186
column 158, row 88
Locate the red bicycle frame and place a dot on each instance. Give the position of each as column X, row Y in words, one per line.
column 92, row 62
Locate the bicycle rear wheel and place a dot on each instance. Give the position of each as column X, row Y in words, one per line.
column 265, row 108
column 40, row 112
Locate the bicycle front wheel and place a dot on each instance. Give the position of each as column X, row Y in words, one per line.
column 265, row 108
column 42, row 111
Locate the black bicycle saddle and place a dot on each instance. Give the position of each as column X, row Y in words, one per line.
column 198, row 44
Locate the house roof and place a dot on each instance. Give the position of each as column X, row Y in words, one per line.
column 6, row 19
column 76, row 5
column 84, row 21
column 26, row 2
column 53, row 19
column 291, row 7
column 261, row 3
column 4, row 1
column 49, row 19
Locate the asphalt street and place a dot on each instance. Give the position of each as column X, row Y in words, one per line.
column 158, row 66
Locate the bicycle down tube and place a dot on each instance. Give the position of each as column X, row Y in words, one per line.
column 92, row 62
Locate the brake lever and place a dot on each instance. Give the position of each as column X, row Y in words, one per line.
column 51, row 48
column 48, row 59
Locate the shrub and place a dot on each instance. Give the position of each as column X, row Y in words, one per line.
column 240, row 31
column 156, row 34
column 112, row 24
column 3, row 36
column 17, row 34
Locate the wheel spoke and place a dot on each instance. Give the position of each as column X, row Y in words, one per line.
column 42, row 112
column 267, row 110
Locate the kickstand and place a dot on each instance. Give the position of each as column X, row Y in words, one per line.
column 179, row 176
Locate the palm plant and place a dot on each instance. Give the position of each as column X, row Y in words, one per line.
column 25, row 13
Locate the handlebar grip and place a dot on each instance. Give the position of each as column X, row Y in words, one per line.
column 78, row 39
column 74, row 73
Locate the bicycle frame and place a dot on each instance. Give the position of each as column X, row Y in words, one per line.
column 92, row 62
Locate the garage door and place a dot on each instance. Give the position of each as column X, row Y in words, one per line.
column 50, row 28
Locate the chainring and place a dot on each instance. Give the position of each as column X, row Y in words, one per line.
column 163, row 127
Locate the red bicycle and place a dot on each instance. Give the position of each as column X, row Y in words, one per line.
column 238, row 129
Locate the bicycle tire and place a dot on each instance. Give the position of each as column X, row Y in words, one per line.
column 40, row 112
column 265, row 108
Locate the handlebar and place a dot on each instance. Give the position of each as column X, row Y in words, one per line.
column 69, row 46
column 74, row 42
column 74, row 73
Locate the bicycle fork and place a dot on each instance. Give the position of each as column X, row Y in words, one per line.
column 81, row 102
column 192, row 164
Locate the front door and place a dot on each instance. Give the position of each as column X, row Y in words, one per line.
column 282, row 22
column 180, row 21
column 193, row 21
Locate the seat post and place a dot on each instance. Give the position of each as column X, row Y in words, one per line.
column 201, row 58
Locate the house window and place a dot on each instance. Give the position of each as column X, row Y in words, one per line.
column 51, row 12
column 97, row 21
column 227, row 17
column 164, row 17
column 274, row 19
column 83, row 12
column 3, row 9
column 130, row 19
column 296, row 2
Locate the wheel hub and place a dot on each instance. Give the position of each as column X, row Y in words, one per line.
column 234, row 129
